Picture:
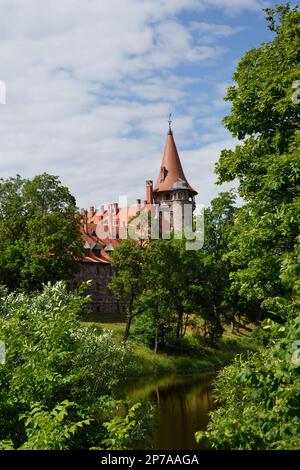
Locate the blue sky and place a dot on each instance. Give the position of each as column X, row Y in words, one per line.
column 90, row 85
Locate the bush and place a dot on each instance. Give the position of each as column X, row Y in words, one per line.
column 53, row 363
column 258, row 398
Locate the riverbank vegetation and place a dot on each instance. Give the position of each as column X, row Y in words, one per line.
column 59, row 379
column 192, row 354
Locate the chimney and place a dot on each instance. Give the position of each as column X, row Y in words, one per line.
column 138, row 203
column 149, row 191
column 86, row 220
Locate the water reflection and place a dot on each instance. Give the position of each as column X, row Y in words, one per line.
column 182, row 407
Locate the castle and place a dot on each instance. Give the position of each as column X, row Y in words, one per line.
column 104, row 228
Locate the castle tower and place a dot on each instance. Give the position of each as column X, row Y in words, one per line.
column 172, row 190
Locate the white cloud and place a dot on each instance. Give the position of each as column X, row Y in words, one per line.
column 199, row 166
column 210, row 32
column 90, row 84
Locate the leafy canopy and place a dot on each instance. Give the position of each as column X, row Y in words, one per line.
column 39, row 232
column 264, row 250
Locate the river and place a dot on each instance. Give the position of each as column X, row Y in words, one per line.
column 182, row 405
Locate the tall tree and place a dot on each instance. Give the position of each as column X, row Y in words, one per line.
column 39, row 232
column 163, row 285
column 127, row 284
column 266, row 116
column 258, row 396
column 212, row 285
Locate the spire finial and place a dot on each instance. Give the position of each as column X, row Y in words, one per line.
column 170, row 122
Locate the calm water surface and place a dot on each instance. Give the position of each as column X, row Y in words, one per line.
column 182, row 407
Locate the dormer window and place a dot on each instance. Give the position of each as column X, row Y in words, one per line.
column 96, row 249
column 108, row 248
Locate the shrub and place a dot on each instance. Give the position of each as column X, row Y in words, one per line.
column 258, row 398
column 53, row 363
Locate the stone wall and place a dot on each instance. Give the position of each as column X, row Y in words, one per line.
column 103, row 300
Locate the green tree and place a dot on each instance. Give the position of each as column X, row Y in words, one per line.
column 127, row 283
column 159, row 300
column 264, row 250
column 258, row 396
column 39, row 232
column 210, row 285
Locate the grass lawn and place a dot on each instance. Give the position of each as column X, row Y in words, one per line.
column 193, row 354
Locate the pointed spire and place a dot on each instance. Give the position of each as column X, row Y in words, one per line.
column 170, row 122
column 171, row 174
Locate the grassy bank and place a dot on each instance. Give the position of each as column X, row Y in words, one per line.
column 191, row 355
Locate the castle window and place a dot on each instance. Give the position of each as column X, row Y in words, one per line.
column 96, row 249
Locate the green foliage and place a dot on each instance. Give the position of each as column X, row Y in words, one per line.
column 264, row 248
column 48, row 430
column 39, row 232
column 258, row 397
column 51, row 357
column 121, row 430
column 127, row 262
column 164, row 284
column 213, row 291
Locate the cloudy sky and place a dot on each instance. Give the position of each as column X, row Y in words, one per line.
column 90, row 84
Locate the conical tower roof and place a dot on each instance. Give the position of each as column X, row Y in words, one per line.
column 171, row 174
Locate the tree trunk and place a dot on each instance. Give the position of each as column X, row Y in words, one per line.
column 185, row 325
column 128, row 321
column 156, row 340
column 127, row 329
column 179, row 324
